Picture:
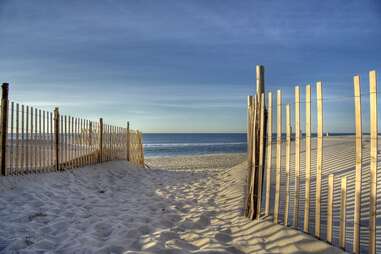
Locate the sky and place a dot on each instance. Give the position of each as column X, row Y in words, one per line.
column 186, row 66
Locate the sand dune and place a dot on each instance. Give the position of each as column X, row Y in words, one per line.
column 117, row 208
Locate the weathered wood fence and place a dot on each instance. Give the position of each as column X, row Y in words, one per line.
column 306, row 211
column 35, row 140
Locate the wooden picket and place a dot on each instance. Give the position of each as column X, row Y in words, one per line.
column 373, row 160
column 330, row 208
column 278, row 156
column 319, row 155
column 358, row 164
column 308, row 160
column 343, row 208
column 287, row 169
column 297, row 158
column 269, row 153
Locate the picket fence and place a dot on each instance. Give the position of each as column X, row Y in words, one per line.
column 271, row 192
column 34, row 140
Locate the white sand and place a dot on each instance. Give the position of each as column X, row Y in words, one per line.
column 116, row 208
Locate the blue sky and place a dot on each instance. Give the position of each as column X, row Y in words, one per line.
column 184, row 65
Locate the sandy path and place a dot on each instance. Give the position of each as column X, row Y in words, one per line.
column 116, row 208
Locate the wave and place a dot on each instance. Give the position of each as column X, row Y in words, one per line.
column 192, row 144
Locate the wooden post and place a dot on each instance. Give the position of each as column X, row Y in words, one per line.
column 260, row 71
column 288, row 154
column 100, row 140
column 250, row 134
column 250, row 104
column 128, row 141
column 249, row 131
column 278, row 156
column 297, row 157
column 373, row 161
column 343, row 206
column 319, row 155
column 57, row 137
column 141, row 149
column 268, row 153
column 358, row 162
column 261, row 154
column 308, row 160
column 255, row 165
column 4, row 127
column 330, row 208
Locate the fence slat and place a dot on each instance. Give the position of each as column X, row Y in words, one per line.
column 278, row 156
column 268, row 153
column 27, row 144
column 319, row 157
column 261, row 154
column 17, row 155
column 254, row 165
column 12, row 140
column 330, row 208
column 358, row 165
column 343, row 206
column 307, row 197
column 373, row 161
column 297, row 157
column 288, row 154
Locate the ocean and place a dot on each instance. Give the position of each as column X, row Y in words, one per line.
column 174, row 144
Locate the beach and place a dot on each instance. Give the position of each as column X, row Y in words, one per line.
column 115, row 207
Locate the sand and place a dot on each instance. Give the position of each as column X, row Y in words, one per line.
column 115, row 207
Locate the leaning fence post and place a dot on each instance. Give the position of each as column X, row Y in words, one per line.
column 373, row 161
column 358, row 161
column 100, row 139
column 4, row 126
column 128, row 141
column 57, row 137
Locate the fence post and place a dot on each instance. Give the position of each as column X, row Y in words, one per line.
column 319, row 159
column 308, row 160
column 141, row 148
column 373, row 161
column 4, row 126
column 278, row 156
column 269, row 153
column 100, row 139
column 57, row 137
column 260, row 75
column 357, row 211
column 297, row 156
column 343, row 206
column 330, row 208
column 128, row 141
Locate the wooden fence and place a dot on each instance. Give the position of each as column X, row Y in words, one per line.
column 334, row 206
column 35, row 140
